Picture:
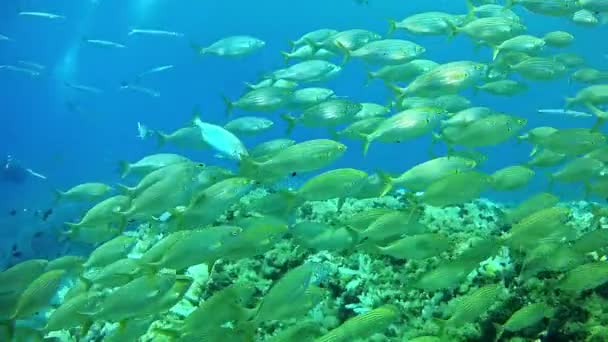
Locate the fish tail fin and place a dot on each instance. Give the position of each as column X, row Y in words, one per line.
column 551, row 183
column 58, row 195
column 291, row 122
column 398, row 91
column 366, row 144
column 199, row 49
column 161, row 139
column 495, row 52
column 314, row 45
column 292, row 43
column 601, row 116
column 369, row 76
column 569, row 102
column 441, row 323
column 248, row 167
column 499, row 331
column 286, row 56
column 291, row 198
column 453, row 29
column 470, row 10
column 124, row 190
column 386, row 179
column 392, row 26
column 508, row 5
column 346, row 52
column 124, row 168
column 72, row 225
column 229, row 104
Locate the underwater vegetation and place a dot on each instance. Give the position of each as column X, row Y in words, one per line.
column 192, row 251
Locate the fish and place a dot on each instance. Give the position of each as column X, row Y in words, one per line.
column 386, row 52
column 307, row 52
column 540, row 68
column 104, row 43
column 420, row 176
column 427, row 23
column 456, row 188
column 511, row 178
column 207, row 205
column 503, row 87
column 83, row 88
column 314, row 70
column 584, row 277
column 559, row 39
column 44, row 15
column 321, row 236
column 490, row 130
column 223, row 141
column 185, row 137
column 448, row 78
column 233, row 46
column 408, row 124
column 573, row 141
column 150, row 163
column 329, row 113
column 139, row 89
column 153, row 32
column 447, row 275
column 578, row 170
column 268, row 149
column 466, row 116
column 29, row 72
column 38, row 294
column 193, row 247
column 490, row 30
column 225, row 305
column 292, row 296
column 302, row 157
column 550, row 257
column 154, row 70
column 532, row 204
column 111, row 251
column 346, row 40
column 550, row 7
column 337, row 183
column 594, row 5
column 84, row 192
column 249, row 125
column 527, row 316
column 363, row 325
column 416, row 247
column 103, row 213
column 265, row 99
column 314, row 37
column 391, row 225
column 468, row 308
column 144, row 295
column 585, row 17
column 403, row 72
column 308, row 97
column 566, row 112
column 32, row 65
column 73, row 312
column 359, row 129
column 525, row 43
column 589, row 75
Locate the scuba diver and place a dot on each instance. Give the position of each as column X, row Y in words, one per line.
column 12, row 171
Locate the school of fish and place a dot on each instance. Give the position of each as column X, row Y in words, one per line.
column 207, row 217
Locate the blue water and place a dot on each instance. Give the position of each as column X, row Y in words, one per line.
column 72, row 148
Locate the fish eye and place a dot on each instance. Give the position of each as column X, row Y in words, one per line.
column 234, row 233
